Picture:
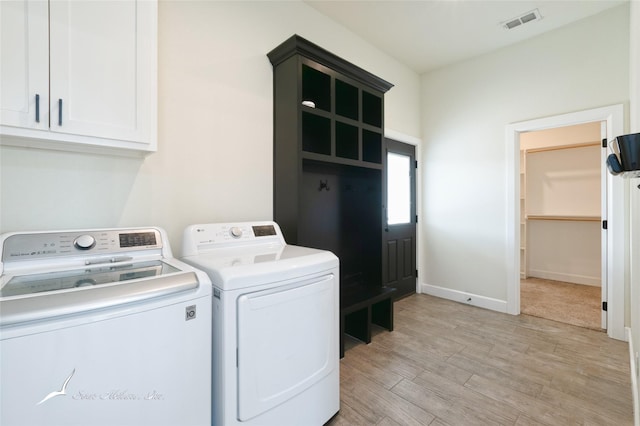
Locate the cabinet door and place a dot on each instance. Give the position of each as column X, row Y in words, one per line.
column 24, row 58
column 103, row 69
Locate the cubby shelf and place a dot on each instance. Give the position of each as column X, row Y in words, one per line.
column 339, row 118
column 339, row 106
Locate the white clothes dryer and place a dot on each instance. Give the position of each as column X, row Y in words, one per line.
column 275, row 324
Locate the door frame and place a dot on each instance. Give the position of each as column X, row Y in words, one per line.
column 617, row 218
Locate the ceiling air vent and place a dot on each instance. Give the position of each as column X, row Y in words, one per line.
column 533, row 15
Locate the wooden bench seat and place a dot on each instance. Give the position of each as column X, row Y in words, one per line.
column 361, row 306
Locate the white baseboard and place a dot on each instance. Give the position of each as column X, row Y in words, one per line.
column 568, row 278
column 464, row 297
column 634, row 379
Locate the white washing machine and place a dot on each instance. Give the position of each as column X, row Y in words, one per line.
column 102, row 328
column 275, row 325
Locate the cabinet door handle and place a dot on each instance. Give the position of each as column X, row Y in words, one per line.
column 59, row 112
column 37, row 108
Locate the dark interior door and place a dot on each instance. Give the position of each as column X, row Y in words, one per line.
column 399, row 239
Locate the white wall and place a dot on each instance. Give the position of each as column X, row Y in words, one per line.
column 465, row 109
column 634, row 264
column 566, row 251
column 214, row 161
column 567, row 135
column 564, row 182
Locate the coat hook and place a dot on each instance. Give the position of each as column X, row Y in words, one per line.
column 324, row 185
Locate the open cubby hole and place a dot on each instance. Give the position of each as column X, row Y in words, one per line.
column 346, row 100
column 316, row 134
column 347, row 141
column 371, row 109
column 345, row 219
column 316, row 87
column 371, row 146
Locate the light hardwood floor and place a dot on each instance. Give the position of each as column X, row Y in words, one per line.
column 452, row 364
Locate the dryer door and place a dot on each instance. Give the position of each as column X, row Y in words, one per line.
column 287, row 341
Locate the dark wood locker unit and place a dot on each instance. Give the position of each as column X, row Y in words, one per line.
column 329, row 162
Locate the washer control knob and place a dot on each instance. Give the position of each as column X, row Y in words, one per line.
column 236, row 232
column 84, row 242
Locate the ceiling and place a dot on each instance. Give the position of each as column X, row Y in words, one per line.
column 429, row 34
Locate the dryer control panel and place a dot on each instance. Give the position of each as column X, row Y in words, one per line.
column 215, row 235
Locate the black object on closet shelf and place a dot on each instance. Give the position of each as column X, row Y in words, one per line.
column 625, row 156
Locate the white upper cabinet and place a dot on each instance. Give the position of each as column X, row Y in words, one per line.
column 79, row 75
column 24, row 66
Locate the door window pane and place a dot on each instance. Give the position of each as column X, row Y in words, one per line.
column 398, row 188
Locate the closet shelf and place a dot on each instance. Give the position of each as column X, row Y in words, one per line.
column 567, row 218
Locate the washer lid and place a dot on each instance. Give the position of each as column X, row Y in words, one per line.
column 47, row 305
column 235, row 268
column 28, row 284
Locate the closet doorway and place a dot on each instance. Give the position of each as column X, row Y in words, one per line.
column 563, row 245
column 613, row 274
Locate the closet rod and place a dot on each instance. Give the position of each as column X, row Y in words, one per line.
column 568, row 218
column 556, row 148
